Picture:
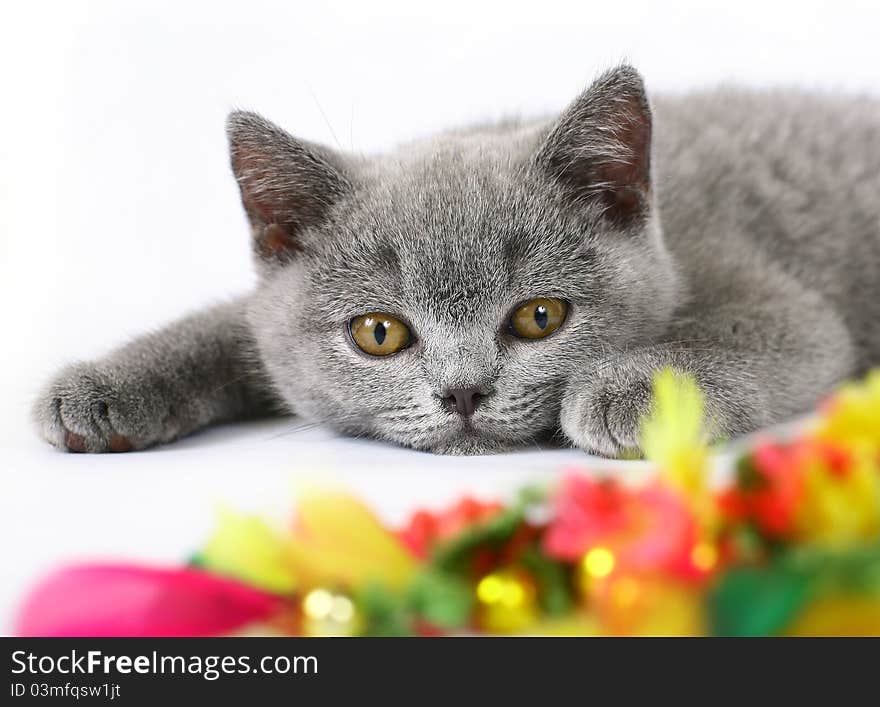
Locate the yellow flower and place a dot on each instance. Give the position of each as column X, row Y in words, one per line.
column 673, row 437
column 840, row 507
column 852, row 416
column 247, row 548
column 839, row 615
column 339, row 542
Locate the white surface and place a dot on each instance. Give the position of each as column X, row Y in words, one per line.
column 117, row 211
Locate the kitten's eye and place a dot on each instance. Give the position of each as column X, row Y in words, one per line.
column 379, row 334
column 538, row 318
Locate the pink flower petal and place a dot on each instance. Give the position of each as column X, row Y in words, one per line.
column 649, row 529
column 127, row 600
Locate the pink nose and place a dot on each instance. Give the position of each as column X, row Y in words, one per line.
column 464, row 400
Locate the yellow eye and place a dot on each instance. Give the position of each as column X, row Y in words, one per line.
column 379, row 334
column 538, row 318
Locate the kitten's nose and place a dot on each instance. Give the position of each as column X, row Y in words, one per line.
column 464, row 400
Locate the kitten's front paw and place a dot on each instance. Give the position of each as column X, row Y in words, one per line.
column 602, row 414
column 85, row 410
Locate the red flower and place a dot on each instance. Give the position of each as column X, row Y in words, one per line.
column 771, row 488
column 425, row 528
column 733, row 504
column 778, row 489
column 649, row 529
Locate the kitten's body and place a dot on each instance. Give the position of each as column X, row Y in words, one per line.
column 785, row 182
column 765, row 282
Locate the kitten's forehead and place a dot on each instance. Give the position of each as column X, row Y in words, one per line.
column 452, row 237
column 458, row 232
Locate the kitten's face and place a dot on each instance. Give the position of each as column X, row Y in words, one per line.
column 449, row 239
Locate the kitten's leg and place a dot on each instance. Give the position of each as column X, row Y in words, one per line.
column 768, row 355
column 193, row 373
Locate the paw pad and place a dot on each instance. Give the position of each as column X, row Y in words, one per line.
column 75, row 442
column 119, row 443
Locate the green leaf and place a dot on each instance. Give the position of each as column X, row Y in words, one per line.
column 454, row 555
column 851, row 570
column 384, row 612
column 553, row 580
column 442, row 599
column 751, row 601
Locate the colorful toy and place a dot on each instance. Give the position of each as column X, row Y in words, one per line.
column 790, row 546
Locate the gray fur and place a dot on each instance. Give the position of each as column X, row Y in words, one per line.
column 746, row 251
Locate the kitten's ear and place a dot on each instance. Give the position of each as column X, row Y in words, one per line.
column 287, row 185
column 599, row 149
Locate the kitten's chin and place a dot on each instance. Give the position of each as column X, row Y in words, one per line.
column 470, row 446
column 466, row 440
column 455, row 436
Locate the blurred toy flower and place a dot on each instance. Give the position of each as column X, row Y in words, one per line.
column 851, row 417
column 840, row 505
column 769, row 486
column 810, row 490
column 247, row 548
column 673, row 436
column 126, row 600
column 336, row 549
column 426, row 528
column 612, row 529
column 337, row 541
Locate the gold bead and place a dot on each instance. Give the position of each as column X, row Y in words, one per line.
column 598, row 563
column 507, row 601
column 327, row 613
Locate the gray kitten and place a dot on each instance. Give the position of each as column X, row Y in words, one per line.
column 509, row 284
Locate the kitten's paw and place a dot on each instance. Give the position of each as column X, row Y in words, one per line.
column 85, row 410
column 603, row 414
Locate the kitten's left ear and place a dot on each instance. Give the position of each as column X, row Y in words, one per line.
column 599, row 149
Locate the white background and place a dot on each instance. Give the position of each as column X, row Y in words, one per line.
column 117, row 210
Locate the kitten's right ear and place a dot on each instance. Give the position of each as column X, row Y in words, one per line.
column 287, row 185
column 599, row 150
